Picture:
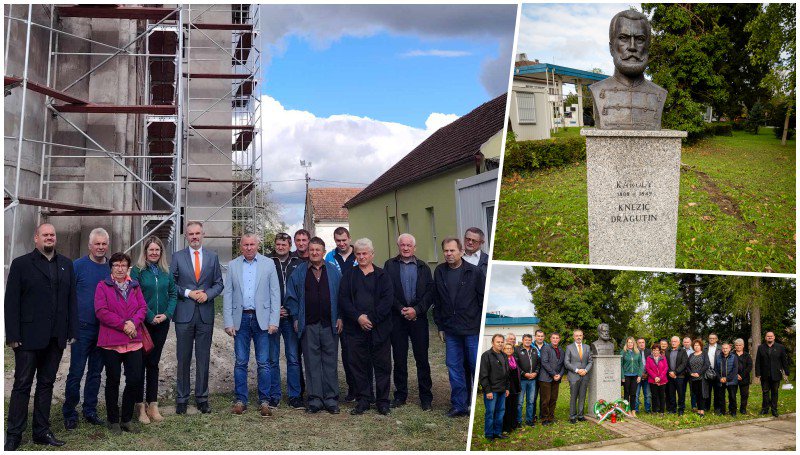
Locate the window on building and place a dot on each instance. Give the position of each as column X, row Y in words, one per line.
column 488, row 210
column 404, row 222
column 526, row 108
column 433, row 252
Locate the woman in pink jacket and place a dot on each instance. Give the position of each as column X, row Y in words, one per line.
column 120, row 309
column 656, row 367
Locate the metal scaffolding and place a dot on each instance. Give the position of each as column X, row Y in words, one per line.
column 172, row 109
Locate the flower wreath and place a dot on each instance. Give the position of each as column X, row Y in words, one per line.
column 618, row 408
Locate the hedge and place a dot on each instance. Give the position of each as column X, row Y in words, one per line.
column 545, row 153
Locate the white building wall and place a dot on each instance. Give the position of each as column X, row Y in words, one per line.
column 517, row 330
column 324, row 230
column 531, row 131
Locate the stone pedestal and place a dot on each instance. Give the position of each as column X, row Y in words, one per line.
column 605, row 379
column 633, row 179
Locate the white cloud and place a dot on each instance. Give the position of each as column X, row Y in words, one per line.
column 343, row 148
column 507, row 294
column 435, row 53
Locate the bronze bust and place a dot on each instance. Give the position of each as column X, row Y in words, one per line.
column 628, row 101
column 603, row 345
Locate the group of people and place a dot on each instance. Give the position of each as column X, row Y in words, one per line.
column 515, row 376
column 114, row 312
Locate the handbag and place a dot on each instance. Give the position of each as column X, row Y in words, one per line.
column 147, row 341
column 710, row 374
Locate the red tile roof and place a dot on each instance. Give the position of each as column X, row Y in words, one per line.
column 327, row 203
column 450, row 146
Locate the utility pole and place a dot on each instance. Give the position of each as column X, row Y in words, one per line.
column 306, row 165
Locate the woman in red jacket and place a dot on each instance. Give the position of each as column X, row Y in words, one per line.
column 121, row 309
column 656, row 367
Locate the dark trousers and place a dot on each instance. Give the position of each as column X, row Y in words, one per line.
column 113, row 362
column 731, row 391
column 196, row 335
column 346, row 362
column 537, row 415
column 676, row 395
column 717, row 389
column 659, row 394
column 630, row 387
column 549, row 396
column 417, row 331
column 769, row 394
column 510, row 415
column 42, row 363
column 84, row 355
column 320, row 346
column 744, row 394
column 300, row 362
column 697, row 393
column 158, row 333
column 366, row 357
column 685, row 387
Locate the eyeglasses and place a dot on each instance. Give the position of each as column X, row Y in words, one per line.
column 469, row 240
column 119, row 266
column 282, row 236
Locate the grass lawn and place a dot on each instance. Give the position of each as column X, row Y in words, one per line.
column 573, row 131
column 736, row 212
column 563, row 433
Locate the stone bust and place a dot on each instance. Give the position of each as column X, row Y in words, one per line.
column 628, row 101
column 603, row 345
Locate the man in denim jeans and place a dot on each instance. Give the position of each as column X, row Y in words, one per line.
column 644, row 385
column 84, row 353
column 529, row 369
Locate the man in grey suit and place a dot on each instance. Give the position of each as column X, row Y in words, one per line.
column 578, row 361
column 251, row 311
column 198, row 278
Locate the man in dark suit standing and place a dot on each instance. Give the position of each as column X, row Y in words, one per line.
column 41, row 317
column 550, row 374
column 413, row 283
column 578, row 363
column 772, row 365
column 677, row 361
column 198, row 277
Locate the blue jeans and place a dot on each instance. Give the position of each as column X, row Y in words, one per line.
column 495, row 409
column 84, row 354
column 526, row 393
column 644, row 388
column 290, row 349
column 455, row 347
column 249, row 330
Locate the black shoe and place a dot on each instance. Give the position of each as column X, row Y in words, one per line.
column 312, row 409
column 204, row 407
column 296, row 403
column 383, row 410
column 12, row 444
column 774, row 413
column 573, row 420
column 48, row 439
column 334, row 410
column 764, row 412
column 490, row 438
column 503, row 436
column 456, row 413
column 350, row 397
column 180, row 408
column 397, row 403
column 581, row 419
column 129, row 427
column 274, row 403
column 71, row 424
column 94, row 419
column 426, row 406
column 115, row 429
column 358, row 410
column 530, row 423
column 546, row 423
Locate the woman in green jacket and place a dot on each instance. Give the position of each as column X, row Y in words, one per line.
column 160, row 293
column 632, row 369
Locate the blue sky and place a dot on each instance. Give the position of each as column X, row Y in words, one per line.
column 507, row 294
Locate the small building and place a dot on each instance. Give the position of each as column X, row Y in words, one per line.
column 419, row 193
column 503, row 325
column 325, row 212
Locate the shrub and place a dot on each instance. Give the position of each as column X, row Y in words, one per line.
column 755, row 118
column 531, row 155
column 719, row 129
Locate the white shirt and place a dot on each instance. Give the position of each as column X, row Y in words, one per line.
column 579, row 350
column 472, row 258
column 712, row 353
column 191, row 260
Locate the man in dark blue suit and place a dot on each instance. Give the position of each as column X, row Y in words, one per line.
column 550, row 373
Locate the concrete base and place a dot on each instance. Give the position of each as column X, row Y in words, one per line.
column 633, row 181
column 604, row 379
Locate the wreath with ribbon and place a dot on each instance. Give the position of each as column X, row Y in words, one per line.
column 618, row 408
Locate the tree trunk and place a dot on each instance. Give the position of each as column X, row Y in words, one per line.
column 786, row 126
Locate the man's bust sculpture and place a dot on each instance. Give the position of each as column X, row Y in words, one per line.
column 628, row 101
column 603, row 345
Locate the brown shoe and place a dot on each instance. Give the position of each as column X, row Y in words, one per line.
column 140, row 410
column 238, row 408
column 152, row 412
column 265, row 410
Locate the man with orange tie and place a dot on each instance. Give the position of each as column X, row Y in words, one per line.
column 198, row 277
column 578, row 363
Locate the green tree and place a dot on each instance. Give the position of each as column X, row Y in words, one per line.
column 772, row 42
column 755, row 118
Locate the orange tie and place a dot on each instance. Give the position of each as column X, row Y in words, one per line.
column 580, row 351
column 197, row 265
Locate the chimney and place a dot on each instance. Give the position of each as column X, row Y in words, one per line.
column 522, row 57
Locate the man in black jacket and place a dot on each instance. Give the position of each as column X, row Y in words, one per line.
column 493, row 379
column 457, row 313
column 676, row 360
column 529, row 370
column 412, row 283
column 41, row 317
column 366, row 296
column 772, row 365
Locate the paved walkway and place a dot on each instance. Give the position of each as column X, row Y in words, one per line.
column 628, row 427
column 756, row 434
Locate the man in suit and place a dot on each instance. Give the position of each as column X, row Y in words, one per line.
column 687, row 347
column 473, row 241
column 550, row 374
column 713, row 350
column 251, row 312
column 677, row 361
column 457, row 313
column 644, row 385
column 41, row 317
column 198, row 277
column 772, row 366
column 312, row 300
column 413, row 282
column 578, row 362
